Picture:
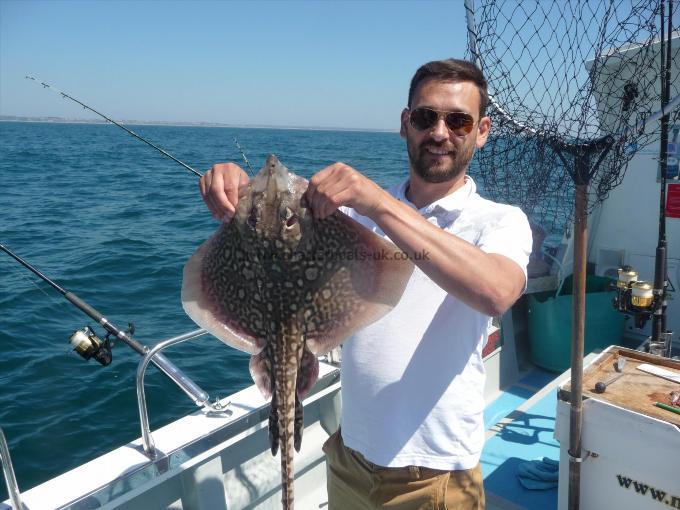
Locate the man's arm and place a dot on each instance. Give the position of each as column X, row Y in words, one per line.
column 220, row 188
column 487, row 282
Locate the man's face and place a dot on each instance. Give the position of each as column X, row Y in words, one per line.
column 437, row 154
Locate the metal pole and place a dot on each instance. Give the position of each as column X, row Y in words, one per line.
column 577, row 337
column 150, row 356
column 8, row 471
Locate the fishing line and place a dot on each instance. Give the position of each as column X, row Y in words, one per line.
column 128, row 131
column 52, row 298
column 243, row 155
column 132, row 133
column 108, row 119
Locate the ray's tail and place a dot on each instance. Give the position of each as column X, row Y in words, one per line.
column 294, row 370
column 285, row 431
column 287, row 472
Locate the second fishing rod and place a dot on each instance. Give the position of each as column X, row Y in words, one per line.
column 85, row 341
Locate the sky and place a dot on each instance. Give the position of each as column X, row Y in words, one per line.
column 280, row 63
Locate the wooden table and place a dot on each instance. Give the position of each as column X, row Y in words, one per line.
column 635, row 390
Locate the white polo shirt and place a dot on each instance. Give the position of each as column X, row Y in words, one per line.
column 413, row 382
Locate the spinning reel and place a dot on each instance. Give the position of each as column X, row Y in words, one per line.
column 636, row 298
column 86, row 343
column 643, row 301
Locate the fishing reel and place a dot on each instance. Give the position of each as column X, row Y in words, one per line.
column 633, row 297
column 86, row 343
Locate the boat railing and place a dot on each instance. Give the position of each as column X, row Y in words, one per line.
column 8, row 472
column 149, row 447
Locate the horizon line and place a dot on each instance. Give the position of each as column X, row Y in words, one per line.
column 47, row 119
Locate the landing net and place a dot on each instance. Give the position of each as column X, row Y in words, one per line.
column 563, row 74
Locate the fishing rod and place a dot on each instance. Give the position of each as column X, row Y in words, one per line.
column 132, row 133
column 86, row 343
column 128, row 131
column 243, row 155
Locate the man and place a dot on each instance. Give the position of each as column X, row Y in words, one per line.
column 412, row 383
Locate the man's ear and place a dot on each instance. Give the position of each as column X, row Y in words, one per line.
column 483, row 130
column 404, row 122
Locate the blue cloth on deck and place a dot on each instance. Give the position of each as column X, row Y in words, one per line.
column 538, row 474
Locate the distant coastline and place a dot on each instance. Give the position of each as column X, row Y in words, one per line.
column 61, row 120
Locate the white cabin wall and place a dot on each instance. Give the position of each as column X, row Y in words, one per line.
column 624, row 229
column 621, row 226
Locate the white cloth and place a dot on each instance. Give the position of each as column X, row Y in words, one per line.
column 413, row 382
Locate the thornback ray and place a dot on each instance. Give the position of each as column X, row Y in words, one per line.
column 286, row 288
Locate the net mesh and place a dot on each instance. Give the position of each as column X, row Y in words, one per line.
column 562, row 75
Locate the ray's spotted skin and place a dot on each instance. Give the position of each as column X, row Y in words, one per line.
column 286, row 287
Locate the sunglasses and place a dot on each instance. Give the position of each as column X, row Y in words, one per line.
column 459, row 123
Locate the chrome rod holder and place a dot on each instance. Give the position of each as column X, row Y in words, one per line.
column 193, row 391
column 150, row 356
column 8, row 471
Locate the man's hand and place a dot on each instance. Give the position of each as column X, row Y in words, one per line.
column 338, row 185
column 220, row 189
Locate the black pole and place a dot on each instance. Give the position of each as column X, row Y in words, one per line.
column 660, row 343
column 81, row 305
column 31, row 268
column 664, row 315
column 577, row 340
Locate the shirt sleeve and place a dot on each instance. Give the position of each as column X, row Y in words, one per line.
column 509, row 235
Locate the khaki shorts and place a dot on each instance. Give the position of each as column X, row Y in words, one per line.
column 354, row 483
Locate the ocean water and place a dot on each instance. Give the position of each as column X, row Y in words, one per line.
column 113, row 221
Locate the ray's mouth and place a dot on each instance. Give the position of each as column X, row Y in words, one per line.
column 291, row 221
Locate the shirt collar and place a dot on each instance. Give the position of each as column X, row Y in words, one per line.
column 448, row 206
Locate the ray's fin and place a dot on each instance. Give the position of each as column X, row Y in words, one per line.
column 213, row 277
column 370, row 278
column 308, row 373
column 260, row 371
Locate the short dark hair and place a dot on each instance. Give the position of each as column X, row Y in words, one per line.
column 451, row 70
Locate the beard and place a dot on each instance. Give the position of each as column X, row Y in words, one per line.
column 444, row 170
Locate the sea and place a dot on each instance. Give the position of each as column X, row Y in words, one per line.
column 113, row 221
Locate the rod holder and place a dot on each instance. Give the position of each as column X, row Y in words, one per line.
column 194, row 392
column 155, row 356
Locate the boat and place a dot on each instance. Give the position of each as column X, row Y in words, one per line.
column 218, row 457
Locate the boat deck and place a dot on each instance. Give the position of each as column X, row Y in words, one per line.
column 520, row 427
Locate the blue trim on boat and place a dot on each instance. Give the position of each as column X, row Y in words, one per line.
column 507, row 402
column 527, row 437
